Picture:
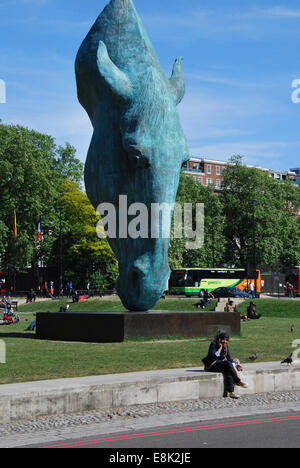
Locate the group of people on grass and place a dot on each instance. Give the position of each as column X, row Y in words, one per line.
column 251, row 310
column 8, row 315
column 206, row 298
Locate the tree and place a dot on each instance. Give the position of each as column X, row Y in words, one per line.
column 26, row 186
column 211, row 253
column 66, row 164
column 252, row 199
column 81, row 246
column 33, row 169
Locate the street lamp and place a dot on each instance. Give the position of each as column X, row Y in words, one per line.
column 60, row 252
column 254, row 202
column 61, row 206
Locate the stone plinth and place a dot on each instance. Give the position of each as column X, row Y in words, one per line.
column 111, row 327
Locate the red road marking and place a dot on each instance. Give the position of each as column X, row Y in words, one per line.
column 176, row 431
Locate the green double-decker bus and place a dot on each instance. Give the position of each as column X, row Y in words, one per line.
column 190, row 281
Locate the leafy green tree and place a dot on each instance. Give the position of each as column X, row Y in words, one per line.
column 255, row 204
column 211, row 253
column 104, row 280
column 81, row 246
column 33, row 170
column 99, row 281
column 26, row 186
column 66, row 164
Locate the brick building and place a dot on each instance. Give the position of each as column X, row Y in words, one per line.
column 210, row 172
column 206, row 171
column 297, row 172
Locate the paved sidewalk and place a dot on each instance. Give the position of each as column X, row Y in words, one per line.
column 144, row 417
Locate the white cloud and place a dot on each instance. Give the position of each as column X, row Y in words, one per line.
column 238, row 83
column 208, row 115
column 282, row 12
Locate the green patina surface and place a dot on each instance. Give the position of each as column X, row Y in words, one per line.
column 138, row 146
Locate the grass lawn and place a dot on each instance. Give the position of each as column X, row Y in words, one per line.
column 109, row 303
column 29, row 359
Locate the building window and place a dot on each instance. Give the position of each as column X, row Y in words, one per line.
column 200, row 180
column 208, row 168
column 218, row 172
column 218, row 183
column 208, row 181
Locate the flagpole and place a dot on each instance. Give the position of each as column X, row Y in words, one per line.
column 60, row 252
column 39, row 247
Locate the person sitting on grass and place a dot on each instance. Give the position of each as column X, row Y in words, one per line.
column 9, row 317
column 231, row 307
column 251, row 312
column 207, row 298
column 31, row 326
column 75, row 296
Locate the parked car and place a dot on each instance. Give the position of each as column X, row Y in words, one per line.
column 230, row 292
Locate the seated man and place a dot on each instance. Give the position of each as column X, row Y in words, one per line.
column 75, row 296
column 231, row 307
column 32, row 326
column 207, row 297
column 251, row 312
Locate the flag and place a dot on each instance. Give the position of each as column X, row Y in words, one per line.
column 15, row 224
column 39, row 230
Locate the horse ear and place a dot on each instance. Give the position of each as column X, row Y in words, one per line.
column 116, row 80
column 177, row 81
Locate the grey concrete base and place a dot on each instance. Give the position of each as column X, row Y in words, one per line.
column 107, row 327
column 28, row 401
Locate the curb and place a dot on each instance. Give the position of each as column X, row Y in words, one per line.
column 31, row 400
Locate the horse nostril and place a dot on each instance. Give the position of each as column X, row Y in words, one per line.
column 134, row 276
column 136, row 156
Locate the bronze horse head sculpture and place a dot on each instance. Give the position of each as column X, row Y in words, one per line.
column 138, row 146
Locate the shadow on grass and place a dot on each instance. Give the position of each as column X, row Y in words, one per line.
column 27, row 335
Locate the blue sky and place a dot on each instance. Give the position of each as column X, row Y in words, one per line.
column 240, row 58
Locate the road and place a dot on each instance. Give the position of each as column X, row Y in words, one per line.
column 281, row 430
